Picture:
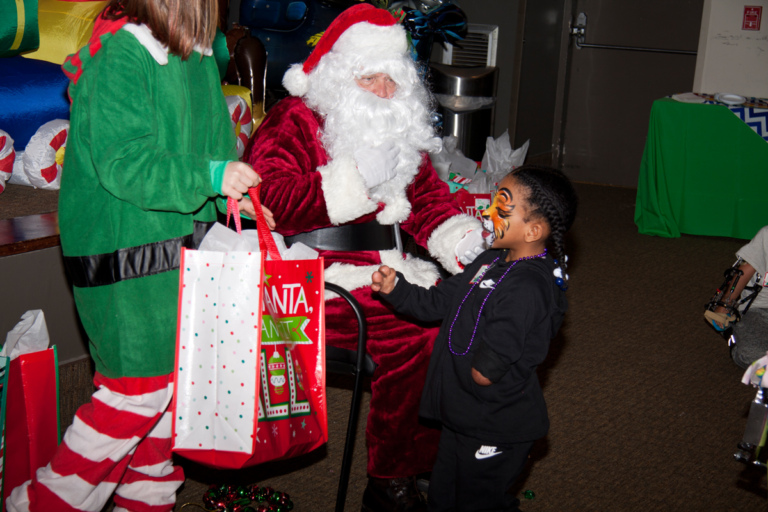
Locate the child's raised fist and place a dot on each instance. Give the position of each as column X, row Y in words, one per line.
column 383, row 280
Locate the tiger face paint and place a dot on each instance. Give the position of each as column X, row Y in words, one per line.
column 505, row 220
column 495, row 217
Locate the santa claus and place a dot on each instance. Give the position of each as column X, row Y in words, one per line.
column 345, row 165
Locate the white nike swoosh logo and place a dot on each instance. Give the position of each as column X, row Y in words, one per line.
column 488, row 283
column 485, row 452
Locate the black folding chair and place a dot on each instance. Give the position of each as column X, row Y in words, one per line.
column 349, row 362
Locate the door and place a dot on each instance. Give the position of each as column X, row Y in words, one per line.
column 610, row 81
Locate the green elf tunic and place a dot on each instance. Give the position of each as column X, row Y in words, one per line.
column 150, row 134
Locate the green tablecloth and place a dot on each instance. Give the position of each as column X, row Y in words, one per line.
column 704, row 172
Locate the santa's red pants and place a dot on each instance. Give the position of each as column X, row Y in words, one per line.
column 119, row 443
column 398, row 443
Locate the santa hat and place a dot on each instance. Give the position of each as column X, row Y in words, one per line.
column 358, row 29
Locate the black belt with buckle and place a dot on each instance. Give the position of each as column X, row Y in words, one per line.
column 369, row 236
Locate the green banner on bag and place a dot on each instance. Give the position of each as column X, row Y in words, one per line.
column 295, row 327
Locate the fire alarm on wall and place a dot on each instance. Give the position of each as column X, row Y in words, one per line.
column 752, row 15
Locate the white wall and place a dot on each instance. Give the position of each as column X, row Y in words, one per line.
column 731, row 59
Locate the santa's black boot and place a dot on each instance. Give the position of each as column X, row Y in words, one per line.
column 393, row 495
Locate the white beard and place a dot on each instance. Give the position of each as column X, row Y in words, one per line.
column 372, row 122
column 355, row 118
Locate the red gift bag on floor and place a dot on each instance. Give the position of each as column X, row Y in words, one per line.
column 270, row 404
column 30, row 399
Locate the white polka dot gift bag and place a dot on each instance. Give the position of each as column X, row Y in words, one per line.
column 249, row 385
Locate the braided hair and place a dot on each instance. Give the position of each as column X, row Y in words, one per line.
column 552, row 197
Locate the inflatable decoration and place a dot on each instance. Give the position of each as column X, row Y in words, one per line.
column 44, row 156
column 19, row 30
column 242, row 121
column 66, row 27
column 7, row 156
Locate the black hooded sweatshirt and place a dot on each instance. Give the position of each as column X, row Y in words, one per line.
column 519, row 314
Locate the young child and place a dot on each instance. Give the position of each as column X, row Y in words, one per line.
column 150, row 152
column 749, row 329
column 499, row 316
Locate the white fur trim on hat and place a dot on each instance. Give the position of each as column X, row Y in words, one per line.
column 345, row 194
column 296, row 81
column 371, row 42
column 364, row 38
column 443, row 240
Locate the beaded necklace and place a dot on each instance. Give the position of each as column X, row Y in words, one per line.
column 479, row 313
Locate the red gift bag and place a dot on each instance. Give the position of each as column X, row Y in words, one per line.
column 473, row 204
column 31, row 433
column 283, row 413
column 292, row 409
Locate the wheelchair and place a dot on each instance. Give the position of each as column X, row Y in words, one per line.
column 735, row 307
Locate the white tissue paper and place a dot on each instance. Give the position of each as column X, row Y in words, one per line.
column 451, row 160
column 498, row 161
column 299, row 251
column 222, row 239
column 28, row 336
column 500, row 158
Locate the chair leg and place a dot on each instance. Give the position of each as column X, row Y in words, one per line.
column 349, row 444
column 354, row 410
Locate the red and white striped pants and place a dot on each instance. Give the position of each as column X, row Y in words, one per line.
column 119, row 443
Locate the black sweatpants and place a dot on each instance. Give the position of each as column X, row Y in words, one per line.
column 469, row 476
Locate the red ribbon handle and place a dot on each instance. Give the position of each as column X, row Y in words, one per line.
column 266, row 242
column 265, row 235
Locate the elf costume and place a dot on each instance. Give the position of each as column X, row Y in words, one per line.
column 324, row 202
column 149, row 141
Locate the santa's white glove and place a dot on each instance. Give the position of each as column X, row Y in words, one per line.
column 470, row 246
column 377, row 165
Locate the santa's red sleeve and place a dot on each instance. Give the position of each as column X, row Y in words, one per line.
column 436, row 221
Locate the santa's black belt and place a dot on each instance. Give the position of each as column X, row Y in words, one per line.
column 370, row 236
column 132, row 262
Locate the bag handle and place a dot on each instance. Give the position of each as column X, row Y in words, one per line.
column 265, row 235
column 266, row 242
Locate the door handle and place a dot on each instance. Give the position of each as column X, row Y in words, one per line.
column 578, row 31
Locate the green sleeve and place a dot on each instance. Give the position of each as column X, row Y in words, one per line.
column 217, row 174
column 139, row 155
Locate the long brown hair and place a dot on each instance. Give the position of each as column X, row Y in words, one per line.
column 178, row 24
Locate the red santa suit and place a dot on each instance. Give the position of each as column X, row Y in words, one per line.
column 307, row 190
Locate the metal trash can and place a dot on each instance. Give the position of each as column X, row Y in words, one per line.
column 467, row 102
